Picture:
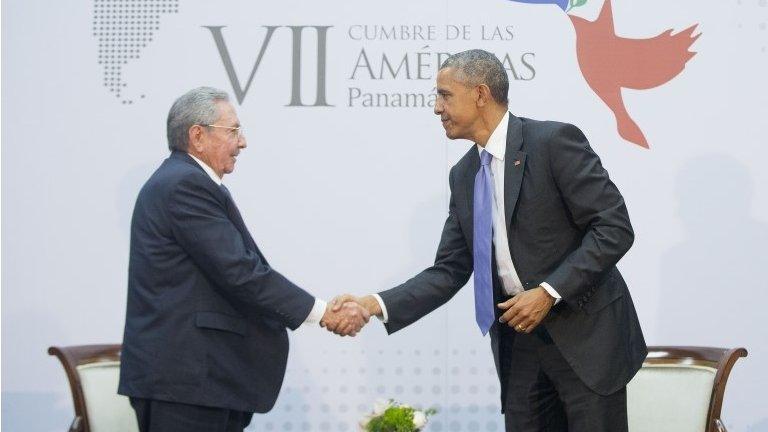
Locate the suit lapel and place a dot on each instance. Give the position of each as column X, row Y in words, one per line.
column 468, row 183
column 233, row 213
column 237, row 219
column 514, row 167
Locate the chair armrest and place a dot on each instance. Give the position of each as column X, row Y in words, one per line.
column 77, row 425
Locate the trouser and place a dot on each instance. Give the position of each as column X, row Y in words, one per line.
column 545, row 395
column 160, row 416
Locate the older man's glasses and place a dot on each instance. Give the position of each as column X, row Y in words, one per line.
column 235, row 132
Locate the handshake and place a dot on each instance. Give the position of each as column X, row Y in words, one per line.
column 346, row 314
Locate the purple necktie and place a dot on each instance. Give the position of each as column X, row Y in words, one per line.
column 481, row 243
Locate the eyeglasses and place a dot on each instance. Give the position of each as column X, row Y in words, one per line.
column 234, row 131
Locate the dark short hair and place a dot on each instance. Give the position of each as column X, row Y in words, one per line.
column 477, row 67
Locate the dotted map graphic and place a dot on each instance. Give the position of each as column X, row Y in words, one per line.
column 123, row 29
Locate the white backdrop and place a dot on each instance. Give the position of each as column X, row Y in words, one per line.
column 351, row 198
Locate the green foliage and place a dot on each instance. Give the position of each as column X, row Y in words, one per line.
column 575, row 4
column 394, row 419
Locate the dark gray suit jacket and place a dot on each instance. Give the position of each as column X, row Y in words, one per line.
column 206, row 315
column 568, row 226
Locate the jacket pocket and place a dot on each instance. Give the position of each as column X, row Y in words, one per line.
column 599, row 302
column 601, row 295
column 219, row 321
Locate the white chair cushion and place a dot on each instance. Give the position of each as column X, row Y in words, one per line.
column 670, row 398
column 107, row 410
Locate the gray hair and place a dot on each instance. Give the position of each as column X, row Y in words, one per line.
column 477, row 67
column 195, row 107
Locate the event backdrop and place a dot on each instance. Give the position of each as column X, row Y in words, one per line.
column 344, row 181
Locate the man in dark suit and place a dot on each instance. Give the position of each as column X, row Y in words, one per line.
column 205, row 341
column 536, row 217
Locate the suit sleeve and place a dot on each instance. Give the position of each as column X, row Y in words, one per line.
column 434, row 286
column 596, row 207
column 200, row 224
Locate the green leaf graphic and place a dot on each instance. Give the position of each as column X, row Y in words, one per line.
column 575, row 4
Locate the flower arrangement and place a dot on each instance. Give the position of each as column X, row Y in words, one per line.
column 390, row 416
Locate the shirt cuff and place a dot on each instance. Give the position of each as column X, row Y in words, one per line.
column 551, row 292
column 384, row 317
column 317, row 312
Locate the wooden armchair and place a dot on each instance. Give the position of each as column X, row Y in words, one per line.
column 93, row 372
column 680, row 389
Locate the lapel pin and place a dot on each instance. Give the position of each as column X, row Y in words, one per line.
column 517, row 162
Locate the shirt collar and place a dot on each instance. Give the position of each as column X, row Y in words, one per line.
column 497, row 142
column 208, row 170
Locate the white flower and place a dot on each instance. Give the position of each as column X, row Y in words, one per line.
column 380, row 406
column 419, row 419
column 364, row 422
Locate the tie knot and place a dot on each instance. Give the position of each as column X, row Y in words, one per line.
column 485, row 158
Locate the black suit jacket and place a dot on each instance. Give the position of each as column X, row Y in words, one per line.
column 206, row 315
column 567, row 226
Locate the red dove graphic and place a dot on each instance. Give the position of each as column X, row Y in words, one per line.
column 610, row 63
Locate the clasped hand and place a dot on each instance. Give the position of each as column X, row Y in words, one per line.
column 345, row 318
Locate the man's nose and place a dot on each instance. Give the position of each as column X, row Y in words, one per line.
column 438, row 107
column 241, row 143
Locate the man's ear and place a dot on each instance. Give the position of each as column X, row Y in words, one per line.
column 483, row 95
column 195, row 135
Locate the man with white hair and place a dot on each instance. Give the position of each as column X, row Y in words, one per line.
column 205, row 343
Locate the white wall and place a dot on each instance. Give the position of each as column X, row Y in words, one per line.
column 352, row 198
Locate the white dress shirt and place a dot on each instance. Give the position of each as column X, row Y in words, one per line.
column 497, row 147
column 318, row 310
